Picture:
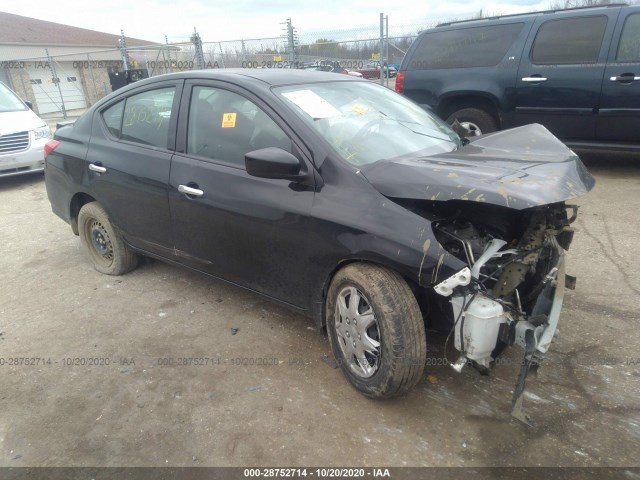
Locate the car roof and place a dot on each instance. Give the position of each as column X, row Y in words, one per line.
column 525, row 15
column 244, row 76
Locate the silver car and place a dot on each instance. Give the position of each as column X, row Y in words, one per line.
column 23, row 136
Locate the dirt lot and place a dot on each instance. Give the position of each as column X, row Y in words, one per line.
column 130, row 410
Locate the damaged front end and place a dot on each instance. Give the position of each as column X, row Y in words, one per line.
column 498, row 206
column 511, row 292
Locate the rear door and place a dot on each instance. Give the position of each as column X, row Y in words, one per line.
column 560, row 74
column 250, row 231
column 129, row 160
column 619, row 114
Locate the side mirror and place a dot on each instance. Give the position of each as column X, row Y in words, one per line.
column 28, row 104
column 274, row 163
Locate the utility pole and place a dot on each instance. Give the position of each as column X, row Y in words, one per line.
column 199, row 53
column 291, row 43
column 122, row 46
column 166, row 41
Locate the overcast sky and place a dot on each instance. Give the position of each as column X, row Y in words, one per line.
column 237, row 19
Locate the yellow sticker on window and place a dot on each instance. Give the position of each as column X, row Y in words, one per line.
column 359, row 109
column 229, row 120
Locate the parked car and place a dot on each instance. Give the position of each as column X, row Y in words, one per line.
column 337, row 198
column 23, row 136
column 326, row 67
column 372, row 70
column 576, row 71
column 389, row 70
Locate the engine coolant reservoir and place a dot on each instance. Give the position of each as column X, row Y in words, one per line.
column 480, row 327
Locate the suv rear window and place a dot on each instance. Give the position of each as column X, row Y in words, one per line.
column 629, row 49
column 569, row 41
column 465, row 47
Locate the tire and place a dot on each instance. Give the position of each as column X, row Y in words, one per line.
column 475, row 120
column 104, row 244
column 395, row 323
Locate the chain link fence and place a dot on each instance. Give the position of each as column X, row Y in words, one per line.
column 62, row 82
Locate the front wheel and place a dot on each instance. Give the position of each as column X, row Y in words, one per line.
column 104, row 244
column 376, row 330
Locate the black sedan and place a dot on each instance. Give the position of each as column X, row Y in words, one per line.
column 338, row 198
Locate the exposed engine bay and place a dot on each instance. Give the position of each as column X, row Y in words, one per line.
column 512, row 287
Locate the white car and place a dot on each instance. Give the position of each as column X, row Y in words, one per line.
column 23, row 136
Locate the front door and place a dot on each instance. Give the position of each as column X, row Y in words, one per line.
column 250, row 231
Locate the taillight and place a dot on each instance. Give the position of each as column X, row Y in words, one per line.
column 400, row 82
column 50, row 146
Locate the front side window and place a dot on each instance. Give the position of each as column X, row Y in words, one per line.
column 224, row 126
column 365, row 122
column 569, row 41
column 629, row 48
column 146, row 117
column 465, row 47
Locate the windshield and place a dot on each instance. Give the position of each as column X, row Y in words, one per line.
column 9, row 102
column 365, row 122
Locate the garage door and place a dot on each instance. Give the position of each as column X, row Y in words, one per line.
column 45, row 88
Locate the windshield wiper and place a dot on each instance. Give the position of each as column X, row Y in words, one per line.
column 402, row 122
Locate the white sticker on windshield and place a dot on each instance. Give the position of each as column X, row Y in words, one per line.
column 312, row 104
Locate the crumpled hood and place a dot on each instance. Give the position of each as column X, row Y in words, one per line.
column 518, row 168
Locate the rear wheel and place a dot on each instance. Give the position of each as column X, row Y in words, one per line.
column 104, row 244
column 474, row 120
column 376, row 330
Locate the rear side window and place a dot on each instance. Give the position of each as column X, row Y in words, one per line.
column 629, row 48
column 112, row 117
column 146, row 117
column 465, row 47
column 569, row 41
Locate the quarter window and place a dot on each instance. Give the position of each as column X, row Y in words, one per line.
column 465, row 47
column 224, row 126
column 146, row 117
column 569, row 41
column 629, row 48
column 112, row 117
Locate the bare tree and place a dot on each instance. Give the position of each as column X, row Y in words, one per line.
column 559, row 4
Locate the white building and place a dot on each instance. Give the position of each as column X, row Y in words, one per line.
column 80, row 58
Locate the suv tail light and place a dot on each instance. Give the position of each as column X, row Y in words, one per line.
column 50, row 146
column 400, row 82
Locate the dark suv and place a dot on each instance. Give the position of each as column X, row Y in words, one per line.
column 575, row 71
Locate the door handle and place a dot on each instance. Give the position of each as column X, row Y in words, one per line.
column 194, row 192
column 534, row 79
column 625, row 78
column 96, row 167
